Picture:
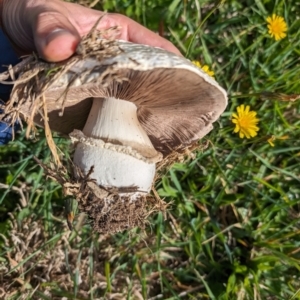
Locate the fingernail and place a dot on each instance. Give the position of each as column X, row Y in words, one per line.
column 56, row 33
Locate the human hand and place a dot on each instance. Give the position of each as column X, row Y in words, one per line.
column 54, row 28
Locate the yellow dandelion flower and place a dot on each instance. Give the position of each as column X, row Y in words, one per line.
column 277, row 27
column 205, row 68
column 196, row 63
column 245, row 122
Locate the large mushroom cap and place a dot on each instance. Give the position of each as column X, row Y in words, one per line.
column 176, row 101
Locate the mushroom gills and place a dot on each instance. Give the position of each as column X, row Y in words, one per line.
column 117, row 147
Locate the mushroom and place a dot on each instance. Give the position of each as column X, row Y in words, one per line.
column 125, row 112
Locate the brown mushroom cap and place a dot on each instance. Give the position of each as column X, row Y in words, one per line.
column 176, row 101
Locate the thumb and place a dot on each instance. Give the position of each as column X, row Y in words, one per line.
column 54, row 36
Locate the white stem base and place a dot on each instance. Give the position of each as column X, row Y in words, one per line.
column 113, row 168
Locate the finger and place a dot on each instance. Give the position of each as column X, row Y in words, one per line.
column 54, row 35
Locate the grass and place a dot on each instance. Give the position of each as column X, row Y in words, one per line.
column 233, row 229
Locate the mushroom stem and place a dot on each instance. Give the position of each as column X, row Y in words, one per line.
column 116, row 145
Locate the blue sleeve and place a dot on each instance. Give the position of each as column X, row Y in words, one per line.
column 7, row 57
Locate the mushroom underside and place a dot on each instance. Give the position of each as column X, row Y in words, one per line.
column 175, row 107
